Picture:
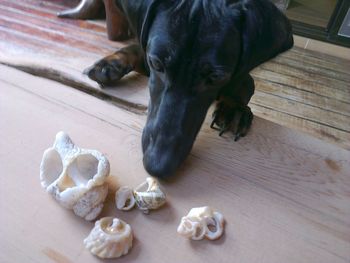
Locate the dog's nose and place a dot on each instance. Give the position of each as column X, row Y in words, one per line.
column 161, row 165
column 161, row 154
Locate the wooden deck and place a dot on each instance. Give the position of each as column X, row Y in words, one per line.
column 301, row 89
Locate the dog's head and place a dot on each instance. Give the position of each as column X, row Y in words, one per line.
column 194, row 49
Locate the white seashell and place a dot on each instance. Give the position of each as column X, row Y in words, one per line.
column 152, row 198
column 124, row 198
column 75, row 177
column 202, row 222
column 147, row 196
column 110, row 238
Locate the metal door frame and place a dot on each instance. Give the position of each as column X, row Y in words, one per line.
column 330, row 33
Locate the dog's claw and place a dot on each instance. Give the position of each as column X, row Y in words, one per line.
column 232, row 117
column 213, row 123
column 238, row 135
column 222, row 130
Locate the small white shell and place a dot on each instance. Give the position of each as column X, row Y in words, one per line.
column 152, row 198
column 124, row 198
column 196, row 225
column 110, row 238
column 75, row 177
column 147, row 196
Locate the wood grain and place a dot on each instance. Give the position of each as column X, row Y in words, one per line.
column 284, row 194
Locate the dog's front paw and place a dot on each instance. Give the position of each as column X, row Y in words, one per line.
column 232, row 117
column 109, row 70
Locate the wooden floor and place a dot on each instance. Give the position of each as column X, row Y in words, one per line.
column 300, row 89
column 285, row 195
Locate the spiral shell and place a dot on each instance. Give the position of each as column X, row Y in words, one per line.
column 152, row 198
column 110, row 238
column 147, row 196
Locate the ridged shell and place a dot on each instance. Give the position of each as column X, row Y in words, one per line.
column 110, row 238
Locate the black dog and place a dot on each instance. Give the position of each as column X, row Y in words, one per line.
column 195, row 52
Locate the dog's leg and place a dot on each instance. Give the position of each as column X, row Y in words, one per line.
column 232, row 112
column 117, row 24
column 112, row 68
column 87, row 9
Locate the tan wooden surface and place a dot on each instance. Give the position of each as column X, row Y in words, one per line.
column 285, row 195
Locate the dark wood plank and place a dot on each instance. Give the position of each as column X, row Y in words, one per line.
column 312, row 79
column 46, row 15
column 303, row 97
column 339, row 64
column 314, row 67
column 306, row 112
column 306, row 84
column 318, row 130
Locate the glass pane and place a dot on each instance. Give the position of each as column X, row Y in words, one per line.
column 312, row 12
column 345, row 27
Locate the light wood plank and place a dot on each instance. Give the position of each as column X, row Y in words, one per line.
column 34, row 40
column 284, row 194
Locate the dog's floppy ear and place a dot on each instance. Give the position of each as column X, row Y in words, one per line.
column 265, row 32
column 147, row 22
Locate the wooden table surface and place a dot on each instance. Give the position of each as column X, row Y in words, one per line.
column 285, row 195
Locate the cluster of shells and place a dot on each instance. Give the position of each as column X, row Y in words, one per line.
column 147, row 196
column 76, row 178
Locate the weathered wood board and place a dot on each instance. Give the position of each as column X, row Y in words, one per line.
column 285, row 195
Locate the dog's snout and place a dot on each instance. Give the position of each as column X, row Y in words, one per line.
column 161, row 154
column 160, row 165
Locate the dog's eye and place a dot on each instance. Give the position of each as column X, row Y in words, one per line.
column 155, row 63
column 216, row 78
